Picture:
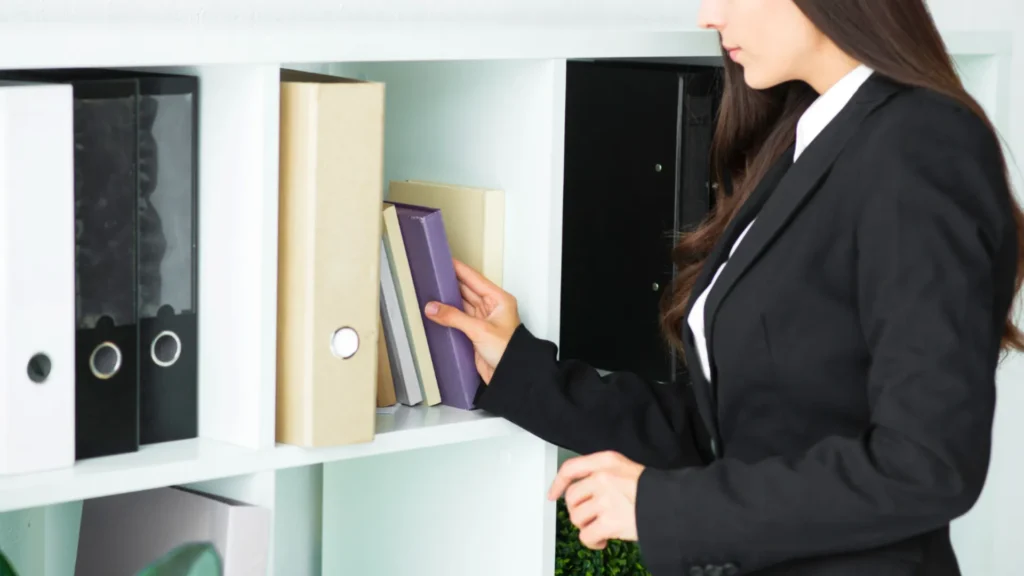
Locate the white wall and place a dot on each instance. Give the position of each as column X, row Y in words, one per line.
column 990, row 538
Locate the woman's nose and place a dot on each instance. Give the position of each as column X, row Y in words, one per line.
column 711, row 14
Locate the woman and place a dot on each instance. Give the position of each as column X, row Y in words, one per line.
column 841, row 314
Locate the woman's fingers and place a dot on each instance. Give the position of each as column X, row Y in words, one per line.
column 584, row 513
column 471, row 310
column 452, row 317
column 579, row 492
column 594, row 535
column 472, row 297
column 476, row 281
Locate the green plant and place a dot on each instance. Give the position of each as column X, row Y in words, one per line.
column 192, row 559
column 572, row 558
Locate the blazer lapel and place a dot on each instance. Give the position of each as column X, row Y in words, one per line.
column 792, row 191
column 701, row 387
column 732, row 231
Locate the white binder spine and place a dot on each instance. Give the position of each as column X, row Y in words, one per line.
column 37, row 278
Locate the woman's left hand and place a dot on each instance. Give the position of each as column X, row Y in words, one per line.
column 600, row 495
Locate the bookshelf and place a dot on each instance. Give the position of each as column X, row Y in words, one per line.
column 439, row 490
column 204, row 459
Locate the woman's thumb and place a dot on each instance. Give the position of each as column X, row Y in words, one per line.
column 451, row 317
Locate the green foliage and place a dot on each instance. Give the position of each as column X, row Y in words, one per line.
column 572, row 558
column 192, row 559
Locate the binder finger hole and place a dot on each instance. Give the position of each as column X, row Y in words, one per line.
column 344, row 342
column 105, row 360
column 39, row 368
column 165, row 349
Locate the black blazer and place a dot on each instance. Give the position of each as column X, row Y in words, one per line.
column 854, row 337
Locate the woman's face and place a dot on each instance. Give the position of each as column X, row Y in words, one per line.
column 772, row 40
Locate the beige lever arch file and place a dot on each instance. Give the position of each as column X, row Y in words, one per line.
column 331, row 187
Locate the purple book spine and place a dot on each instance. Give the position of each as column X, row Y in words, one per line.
column 433, row 276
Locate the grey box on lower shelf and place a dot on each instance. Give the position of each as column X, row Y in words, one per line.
column 122, row 534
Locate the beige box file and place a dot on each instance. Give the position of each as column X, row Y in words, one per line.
column 474, row 219
column 331, row 186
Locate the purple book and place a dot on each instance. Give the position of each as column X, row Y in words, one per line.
column 433, row 276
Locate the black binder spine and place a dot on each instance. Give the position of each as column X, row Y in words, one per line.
column 168, row 241
column 106, row 205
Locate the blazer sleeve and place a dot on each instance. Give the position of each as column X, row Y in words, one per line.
column 570, row 404
column 935, row 266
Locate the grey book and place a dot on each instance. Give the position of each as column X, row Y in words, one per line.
column 403, row 367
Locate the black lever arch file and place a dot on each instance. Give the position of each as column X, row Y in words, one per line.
column 106, row 205
column 167, row 243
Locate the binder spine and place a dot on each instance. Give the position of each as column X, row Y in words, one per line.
column 328, row 279
column 106, row 182
column 167, row 255
column 37, row 345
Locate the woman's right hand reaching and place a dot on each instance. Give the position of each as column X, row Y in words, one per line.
column 490, row 318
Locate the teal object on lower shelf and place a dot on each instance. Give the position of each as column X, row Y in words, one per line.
column 572, row 558
column 5, row 566
column 193, row 559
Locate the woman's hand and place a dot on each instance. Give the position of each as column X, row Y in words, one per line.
column 600, row 495
column 491, row 317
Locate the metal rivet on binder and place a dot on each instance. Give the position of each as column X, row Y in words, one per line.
column 39, row 368
column 655, row 286
column 165, row 349
column 344, row 342
column 105, row 361
column 657, row 167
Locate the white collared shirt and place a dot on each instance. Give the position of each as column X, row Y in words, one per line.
column 817, row 116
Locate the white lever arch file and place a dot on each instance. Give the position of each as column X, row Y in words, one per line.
column 37, row 278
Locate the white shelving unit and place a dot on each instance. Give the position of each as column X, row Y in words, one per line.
column 439, row 491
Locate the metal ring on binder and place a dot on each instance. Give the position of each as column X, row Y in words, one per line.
column 177, row 348
column 117, row 361
column 344, row 342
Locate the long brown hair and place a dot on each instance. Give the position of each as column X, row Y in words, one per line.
column 898, row 40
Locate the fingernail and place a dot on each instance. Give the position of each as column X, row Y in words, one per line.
column 431, row 308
